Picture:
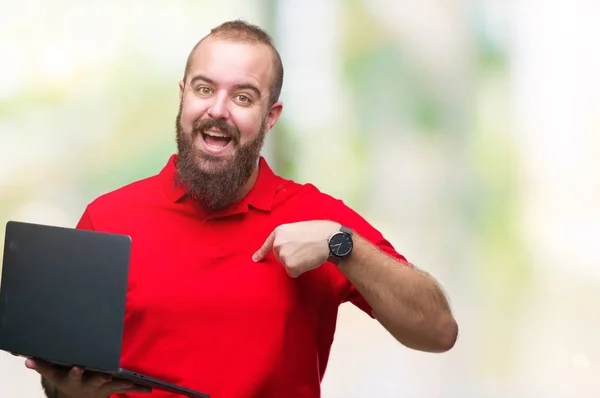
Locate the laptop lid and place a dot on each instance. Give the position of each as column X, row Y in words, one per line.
column 62, row 294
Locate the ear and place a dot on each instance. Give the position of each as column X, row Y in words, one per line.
column 274, row 114
column 181, row 88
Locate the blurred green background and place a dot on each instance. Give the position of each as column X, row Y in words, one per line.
column 467, row 132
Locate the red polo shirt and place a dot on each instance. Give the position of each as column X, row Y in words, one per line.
column 200, row 313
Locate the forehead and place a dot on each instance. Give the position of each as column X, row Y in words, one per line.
column 232, row 62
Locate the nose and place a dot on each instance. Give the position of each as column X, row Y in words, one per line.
column 218, row 109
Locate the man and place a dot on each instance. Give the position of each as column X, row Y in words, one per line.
column 236, row 273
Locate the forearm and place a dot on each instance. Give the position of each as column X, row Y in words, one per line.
column 407, row 302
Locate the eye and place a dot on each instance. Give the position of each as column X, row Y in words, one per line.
column 204, row 90
column 243, row 99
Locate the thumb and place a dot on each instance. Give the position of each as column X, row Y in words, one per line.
column 265, row 248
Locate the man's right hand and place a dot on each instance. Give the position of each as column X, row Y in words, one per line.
column 72, row 383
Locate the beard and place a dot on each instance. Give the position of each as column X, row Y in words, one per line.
column 212, row 180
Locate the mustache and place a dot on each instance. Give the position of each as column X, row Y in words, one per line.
column 204, row 124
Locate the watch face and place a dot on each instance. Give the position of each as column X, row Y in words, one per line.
column 340, row 244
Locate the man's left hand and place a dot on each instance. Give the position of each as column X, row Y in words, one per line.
column 299, row 247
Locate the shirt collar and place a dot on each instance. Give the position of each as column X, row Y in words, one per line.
column 261, row 196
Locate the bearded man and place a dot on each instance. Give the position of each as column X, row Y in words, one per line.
column 236, row 273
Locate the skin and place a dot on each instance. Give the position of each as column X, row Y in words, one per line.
column 406, row 301
column 78, row 383
column 230, row 81
column 226, row 80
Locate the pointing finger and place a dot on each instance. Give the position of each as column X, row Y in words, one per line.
column 265, row 249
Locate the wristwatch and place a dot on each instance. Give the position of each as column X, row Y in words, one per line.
column 340, row 245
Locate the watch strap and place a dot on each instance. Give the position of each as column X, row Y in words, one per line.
column 346, row 230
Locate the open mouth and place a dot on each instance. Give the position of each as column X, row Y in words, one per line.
column 215, row 140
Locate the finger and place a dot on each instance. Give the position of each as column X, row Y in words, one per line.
column 45, row 369
column 36, row 365
column 55, row 374
column 277, row 255
column 265, row 249
column 122, row 386
column 75, row 374
column 293, row 272
column 140, row 389
column 98, row 380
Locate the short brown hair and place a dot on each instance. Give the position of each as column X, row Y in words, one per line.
column 239, row 30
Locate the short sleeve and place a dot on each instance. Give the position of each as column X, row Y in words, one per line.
column 343, row 214
column 85, row 222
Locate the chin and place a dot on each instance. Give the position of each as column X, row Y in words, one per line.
column 210, row 163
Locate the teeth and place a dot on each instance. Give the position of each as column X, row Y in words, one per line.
column 216, row 146
column 215, row 134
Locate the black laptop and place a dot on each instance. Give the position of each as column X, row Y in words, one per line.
column 62, row 299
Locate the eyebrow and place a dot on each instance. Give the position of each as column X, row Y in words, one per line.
column 245, row 86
